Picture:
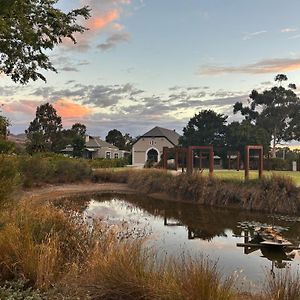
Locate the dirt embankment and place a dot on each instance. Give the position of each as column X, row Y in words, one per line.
column 66, row 190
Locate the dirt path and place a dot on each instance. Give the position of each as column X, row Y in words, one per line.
column 65, row 190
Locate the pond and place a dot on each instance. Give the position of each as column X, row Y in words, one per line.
column 177, row 229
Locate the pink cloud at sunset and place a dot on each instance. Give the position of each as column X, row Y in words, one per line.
column 23, row 106
column 69, row 109
column 102, row 21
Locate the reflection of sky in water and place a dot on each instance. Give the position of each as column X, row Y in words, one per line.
column 173, row 240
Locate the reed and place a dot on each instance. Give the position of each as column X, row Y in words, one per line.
column 285, row 286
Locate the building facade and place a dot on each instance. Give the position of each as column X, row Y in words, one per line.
column 97, row 148
column 150, row 145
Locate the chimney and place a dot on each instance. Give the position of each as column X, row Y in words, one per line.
column 87, row 138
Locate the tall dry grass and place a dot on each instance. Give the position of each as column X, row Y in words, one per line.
column 51, row 250
column 285, row 286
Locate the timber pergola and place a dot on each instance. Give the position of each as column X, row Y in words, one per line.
column 238, row 159
column 248, row 148
column 178, row 152
column 190, row 161
column 188, row 153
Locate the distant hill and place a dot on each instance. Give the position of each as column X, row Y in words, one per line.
column 17, row 138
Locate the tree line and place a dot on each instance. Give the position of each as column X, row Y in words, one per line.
column 271, row 117
column 28, row 29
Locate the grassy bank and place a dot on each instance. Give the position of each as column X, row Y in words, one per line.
column 274, row 194
column 239, row 175
column 47, row 253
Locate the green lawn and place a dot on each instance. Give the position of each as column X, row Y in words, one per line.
column 239, row 175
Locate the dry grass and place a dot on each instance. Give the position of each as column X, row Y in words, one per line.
column 286, row 286
column 50, row 250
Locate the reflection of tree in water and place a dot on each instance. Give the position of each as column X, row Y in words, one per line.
column 204, row 222
column 201, row 221
column 202, row 234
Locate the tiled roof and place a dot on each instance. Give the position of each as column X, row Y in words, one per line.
column 171, row 135
column 96, row 142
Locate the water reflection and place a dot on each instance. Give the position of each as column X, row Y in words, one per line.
column 179, row 227
column 278, row 255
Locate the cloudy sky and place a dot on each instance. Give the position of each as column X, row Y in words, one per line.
column 146, row 63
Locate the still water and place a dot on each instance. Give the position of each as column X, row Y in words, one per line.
column 176, row 229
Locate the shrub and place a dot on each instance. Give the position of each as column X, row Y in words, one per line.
column 277, row 164
column 70, row 170
column 17, row 290
column 9, row 177
column 111, row 176
column 35, row 170
column 40, row 169
column 101, row 163
column 7, row 147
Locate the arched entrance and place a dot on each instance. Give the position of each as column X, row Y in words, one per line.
column 152, row 155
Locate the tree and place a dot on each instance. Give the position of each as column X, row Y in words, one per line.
column 129, row 141
column 116, row 138
column 75, row 137
column 78, row 144
column 276, row 110
column 78, row 129
column 78, row 138
column 205, row 128
column 4, row 124
column 28, row 30
column 43, row 133
column 238, row 135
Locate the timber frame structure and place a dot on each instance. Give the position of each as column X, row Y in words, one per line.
column 248, row 148
column 188, row 153
column 238, row 159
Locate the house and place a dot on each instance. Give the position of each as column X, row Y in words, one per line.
column 97, row 148
column 150, row 145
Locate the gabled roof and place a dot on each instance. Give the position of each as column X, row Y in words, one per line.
column 96, row 142
column 170, row 135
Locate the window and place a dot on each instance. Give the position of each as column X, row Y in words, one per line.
column 108, row 154
column 116, row 155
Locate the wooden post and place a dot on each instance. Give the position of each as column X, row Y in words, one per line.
column 190, row 153
column 176, row 158
column 211, row 161
column 261, row 164
column 200, row 162
column 246, row 163
column 238, row 161
column 165, row 157
column 247, row 159
column 229, row 159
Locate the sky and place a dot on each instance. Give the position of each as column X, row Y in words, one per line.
column 146, row 63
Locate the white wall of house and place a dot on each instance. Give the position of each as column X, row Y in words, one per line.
column 144, row 145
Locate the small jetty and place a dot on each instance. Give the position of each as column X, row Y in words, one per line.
column 266, row 237
column 272, row 246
